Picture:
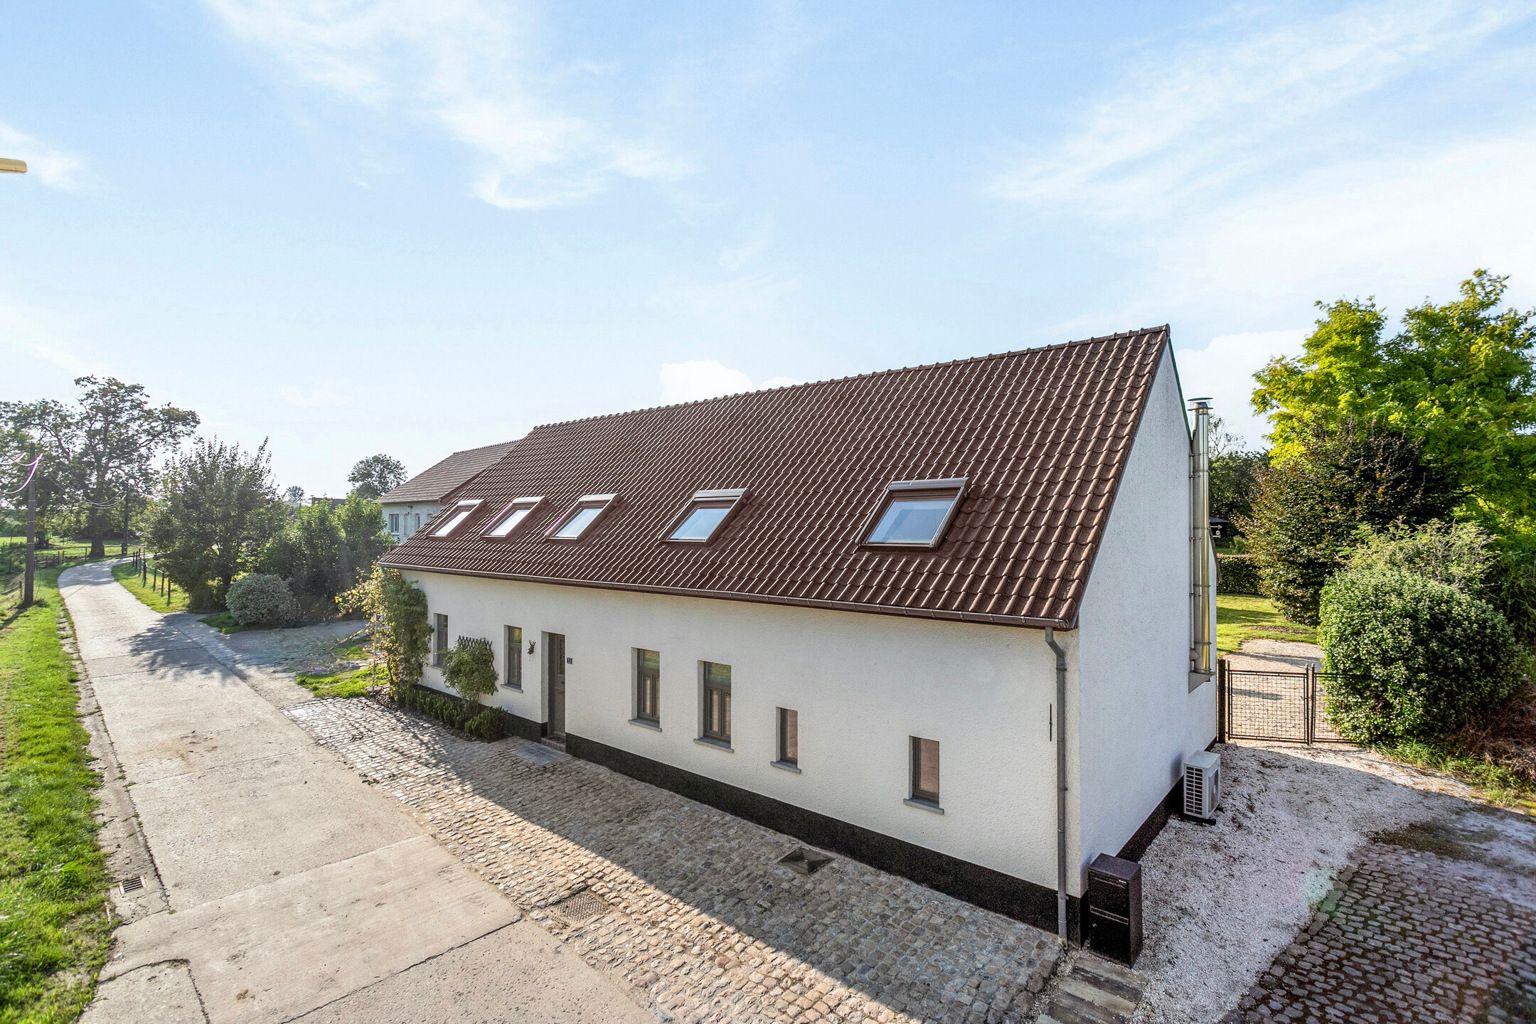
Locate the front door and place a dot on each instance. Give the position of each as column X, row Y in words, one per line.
column 554, row 671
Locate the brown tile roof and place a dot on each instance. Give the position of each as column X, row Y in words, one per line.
column 441, row 480
column 1041, row 436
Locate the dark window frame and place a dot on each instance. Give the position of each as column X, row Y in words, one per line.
column 512, row 638
column 711, row 690
column 916, row 791
column 647, row 706
column 953, row 487
column 788, row 745
column 439, row 638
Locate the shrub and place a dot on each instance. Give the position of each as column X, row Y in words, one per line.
column 470, row 667
column 1459, row 555
column 487, row 725
column 482, row 723
column 399, row 633
column 1420, row 656
column 261, row 600
column 1237, row 574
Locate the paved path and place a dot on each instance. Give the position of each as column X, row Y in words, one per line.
column 687, row 906
column 278, row 884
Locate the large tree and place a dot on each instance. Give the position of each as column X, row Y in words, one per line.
column 1309, row 509
column 216, row 509
column 103, row 448
column 322, row 551
column 1235, row 470
column 1458, row 378
column 375, row 475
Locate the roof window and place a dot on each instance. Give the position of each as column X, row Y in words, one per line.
column 914, row 513
column 462, row 511
column 705, row 513
column 576, row 522
column 507, row 520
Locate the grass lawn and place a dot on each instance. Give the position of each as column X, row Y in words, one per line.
column 224, row 623
column 1496, row 782
column 53, row 877
column 128, row 576
column 1242, row 617
column 352, row 682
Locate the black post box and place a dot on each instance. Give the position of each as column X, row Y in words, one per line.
column 1114, row 908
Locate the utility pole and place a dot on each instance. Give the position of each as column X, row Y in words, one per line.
column 127, row 493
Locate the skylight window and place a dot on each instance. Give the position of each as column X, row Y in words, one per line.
column 704, row 514
column 580, row 518
column 507, row 520
column 462, row 511
column 915, row 513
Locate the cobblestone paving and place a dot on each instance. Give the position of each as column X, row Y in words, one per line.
column 685, row 904
column 1431, row 924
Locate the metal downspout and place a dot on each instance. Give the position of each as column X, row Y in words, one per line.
column 1060, row 723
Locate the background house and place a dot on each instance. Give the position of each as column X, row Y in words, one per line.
column 831, row 607
column 421, row 497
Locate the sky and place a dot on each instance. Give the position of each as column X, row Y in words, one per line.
column 353, row 226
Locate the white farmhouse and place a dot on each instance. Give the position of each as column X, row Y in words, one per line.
column 421, row 497
column 946, row 620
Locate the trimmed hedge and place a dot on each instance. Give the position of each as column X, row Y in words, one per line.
column 1420, row 656
column 1237, row 574
column 475, row 720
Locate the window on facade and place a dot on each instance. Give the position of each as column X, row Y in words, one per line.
column 439, row 638
column 647, row 686
column 514, row 645
column 914, row 513
column 418, row 523
column 704, row 514
column 581, row 516
column 789, row 736
column 717, row 701
column 507, row 520
column 925, row 770
column 394, row 523
column 455, row 519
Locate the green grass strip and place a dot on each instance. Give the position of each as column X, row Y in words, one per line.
column 129, row 577
column 53, row 877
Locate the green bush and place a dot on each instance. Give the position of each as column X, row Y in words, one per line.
column 475, row 720
column 1237, row 574
column 258, row 599
column 1419, row 656
column 470, row 667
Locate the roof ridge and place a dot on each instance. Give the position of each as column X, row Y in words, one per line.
column 1118, row 335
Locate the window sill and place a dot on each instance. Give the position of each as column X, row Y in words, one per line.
column 645, row 724
column 705, row 741
column 785, row 766
column 923, row 805
column 509, row 686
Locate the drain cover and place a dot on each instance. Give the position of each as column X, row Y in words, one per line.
column 581, row 906
column 133, row 884
column 807, row 862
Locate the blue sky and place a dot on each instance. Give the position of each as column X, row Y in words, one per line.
column 363, row 226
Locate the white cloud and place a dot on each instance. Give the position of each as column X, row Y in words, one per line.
column 708, row 378
column 1223, row 372
column 465, row 68
column 1180, row 123
column 53, row 167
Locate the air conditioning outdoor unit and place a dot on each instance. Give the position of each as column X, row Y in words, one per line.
column 1202, row 786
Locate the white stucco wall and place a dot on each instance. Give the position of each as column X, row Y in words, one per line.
column 408, row 512
column 862, row 684
column 1138, row 719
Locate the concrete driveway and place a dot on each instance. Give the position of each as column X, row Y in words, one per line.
column 277, row 884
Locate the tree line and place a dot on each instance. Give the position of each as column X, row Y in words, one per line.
column 112, row 461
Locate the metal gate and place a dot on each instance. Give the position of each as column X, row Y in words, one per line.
column 1284, row 707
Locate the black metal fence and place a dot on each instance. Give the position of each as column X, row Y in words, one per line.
column 1278, row 706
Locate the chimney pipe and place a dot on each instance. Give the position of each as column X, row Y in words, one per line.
column 1202, row 647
